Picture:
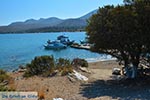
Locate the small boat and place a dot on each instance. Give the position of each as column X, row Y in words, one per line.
column 55, row 45
column 65, row 40
column 62, row 37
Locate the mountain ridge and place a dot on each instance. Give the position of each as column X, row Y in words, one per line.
column 43, row 23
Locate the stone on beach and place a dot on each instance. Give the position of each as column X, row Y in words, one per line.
column 84, row 69
column 57, row 99
column 116, row 71
column 79, row 76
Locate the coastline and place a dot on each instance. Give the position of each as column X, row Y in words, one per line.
column 102, row 60
column 61, row 86
column 101, row 85
column 38, row 32
column 105, row 58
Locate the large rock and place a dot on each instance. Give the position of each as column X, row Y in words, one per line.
column 58, row 99
column 77, row 76
column 84, row 69
column 116, row 71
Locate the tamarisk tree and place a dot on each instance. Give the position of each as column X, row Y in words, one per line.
column 123, row 32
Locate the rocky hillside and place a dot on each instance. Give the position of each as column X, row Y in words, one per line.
column 48, row 25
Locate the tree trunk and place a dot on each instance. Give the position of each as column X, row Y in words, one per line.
column 127, row 71
column 135, row 63
column 134, row 72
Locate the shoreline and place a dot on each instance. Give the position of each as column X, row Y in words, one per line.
column 40, row 32
column 88, row 60
column 100, row 70
column 101, row 84
column 62, row 86
column 103, row 60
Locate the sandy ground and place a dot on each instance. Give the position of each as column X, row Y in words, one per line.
column 102, row 69
column 100, row 86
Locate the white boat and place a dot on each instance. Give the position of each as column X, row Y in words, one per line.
column 65, row 40
column 55, row 45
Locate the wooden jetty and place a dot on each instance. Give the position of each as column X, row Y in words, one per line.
column 86, row 47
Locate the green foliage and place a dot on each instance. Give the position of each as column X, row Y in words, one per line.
column 79, row 62
column 3, row 76
column 62, row 63
column 64, row 66
column 39, row 66
column 47, row 66
column 2, row 72
column 3, row 88
column 66, row 70
column 122, row 31
column 57, row 29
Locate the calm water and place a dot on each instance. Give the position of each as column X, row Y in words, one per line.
column 19, row 49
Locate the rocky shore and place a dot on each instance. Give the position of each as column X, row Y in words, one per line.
column 99, row 85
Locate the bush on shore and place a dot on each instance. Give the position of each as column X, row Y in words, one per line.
column 47, row 66
column 4, row 80
column 3, row 76
column 40, row 66
column 64, row 66
column 77, row 62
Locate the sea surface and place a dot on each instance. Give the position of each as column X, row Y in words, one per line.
column 20, row 49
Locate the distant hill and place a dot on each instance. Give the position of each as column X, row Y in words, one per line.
column 87, row 16
column 73, row 23
column 48, row 25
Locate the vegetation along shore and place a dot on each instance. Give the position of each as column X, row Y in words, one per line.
column 121, row 31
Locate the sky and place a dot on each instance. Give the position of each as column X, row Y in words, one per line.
column 21, row 10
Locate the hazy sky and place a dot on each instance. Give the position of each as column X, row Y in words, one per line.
column 20, row 10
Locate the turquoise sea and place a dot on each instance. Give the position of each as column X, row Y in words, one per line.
column 19, row 49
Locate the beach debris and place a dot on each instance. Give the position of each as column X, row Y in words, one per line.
column 58, row 99
column 118, row 77
column 5, row 82
column 76, row 76
column 116, row 71
column 19, row 78
column 79, row 76
column 21, row 70
column 71, row 79
column 84, row 69
column 80, row 46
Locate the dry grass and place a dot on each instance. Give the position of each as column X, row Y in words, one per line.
column 41, row 94
column 12, row 85
column 61, row 86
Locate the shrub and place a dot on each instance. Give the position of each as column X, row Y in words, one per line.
column 79, row 62
column 39, row 66
column 66, row 70
column 3, row 88
column 64, row 66
column 4, row 80
column 41, row 95
column 47, row 66
column 2, row 72
column 61, row 62
column 3, row 75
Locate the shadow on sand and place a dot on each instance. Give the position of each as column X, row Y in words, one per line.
column 124, row 89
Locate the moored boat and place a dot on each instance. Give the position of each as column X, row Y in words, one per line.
column 65, row 40
column 55, row 45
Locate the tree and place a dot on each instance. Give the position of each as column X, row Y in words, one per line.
column 123, row 32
